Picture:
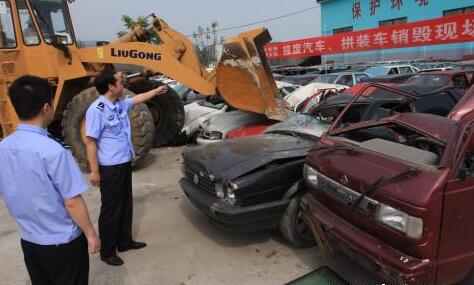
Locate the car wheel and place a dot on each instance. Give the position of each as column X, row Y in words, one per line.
column 293, row 225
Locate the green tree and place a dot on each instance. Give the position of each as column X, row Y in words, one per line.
column 206, row 40
column 129, row 23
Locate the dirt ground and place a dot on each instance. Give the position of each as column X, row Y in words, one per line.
column 183, row 247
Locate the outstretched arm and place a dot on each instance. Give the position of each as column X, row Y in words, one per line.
column 143, row 97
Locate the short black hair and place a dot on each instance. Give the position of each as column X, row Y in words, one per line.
column 103, row 80
column 28, row 95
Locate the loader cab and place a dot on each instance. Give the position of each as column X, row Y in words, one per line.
column 52, row 18
column 38, row 21
column 36, row 37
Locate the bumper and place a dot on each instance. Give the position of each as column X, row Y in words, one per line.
column 235, row 218
column 203, row 141
column 375, row 255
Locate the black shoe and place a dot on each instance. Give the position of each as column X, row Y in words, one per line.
column 133, row 245
column 113, row 260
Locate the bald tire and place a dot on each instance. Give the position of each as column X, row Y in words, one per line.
column 141, row 122
column 167, row 112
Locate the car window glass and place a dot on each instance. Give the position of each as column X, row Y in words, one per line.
column 460, row 81
column 325, row 79
column 30, row 35
column 405, row 70
column 429, row 80
column 466, row 171
column 7, row 37
column 438, row 104
column 359, row 77
column 470, row 76
column 211, row 105
column 393, row 70
column 387, row 110
column 345, row 80
column 354, row 115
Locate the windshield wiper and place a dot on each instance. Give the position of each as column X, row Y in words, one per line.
column 384, row 180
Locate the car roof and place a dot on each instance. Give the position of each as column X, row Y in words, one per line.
column 447, row 72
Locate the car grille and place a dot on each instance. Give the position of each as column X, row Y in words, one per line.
column 202, row 179
column 344, row 194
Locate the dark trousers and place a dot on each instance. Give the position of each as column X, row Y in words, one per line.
column 115, row 220
column 64, row 264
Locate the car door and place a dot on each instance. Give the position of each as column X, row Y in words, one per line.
column 456, row 249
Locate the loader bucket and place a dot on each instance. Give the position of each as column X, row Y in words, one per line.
column 244, row 79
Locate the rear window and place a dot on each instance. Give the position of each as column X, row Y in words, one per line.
column 434, row 80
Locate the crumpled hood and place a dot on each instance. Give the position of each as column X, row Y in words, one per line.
column 231, row 120
column 229, row 159
column 194, row 110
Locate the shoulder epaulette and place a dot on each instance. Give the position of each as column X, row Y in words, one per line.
column 59, row 142
column 101, row 106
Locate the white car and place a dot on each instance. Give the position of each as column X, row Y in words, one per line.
column 197, row 112
column 391, row 69
column 298, row 96
column 218, row 127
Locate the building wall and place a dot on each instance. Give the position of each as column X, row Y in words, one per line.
column 337, row 14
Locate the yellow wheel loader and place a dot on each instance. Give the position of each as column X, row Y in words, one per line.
column 37, row 38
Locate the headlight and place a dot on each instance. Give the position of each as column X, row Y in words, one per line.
column 310, row 175
column 398, row 220
column 212, row 135
column 220, row 191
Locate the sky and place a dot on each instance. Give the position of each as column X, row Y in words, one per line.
column 100, row 19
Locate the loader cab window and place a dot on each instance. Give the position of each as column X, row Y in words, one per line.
column 53, row 19
column 30, row 35
column 7, row 30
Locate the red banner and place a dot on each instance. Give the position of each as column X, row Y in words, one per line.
column 446, row 30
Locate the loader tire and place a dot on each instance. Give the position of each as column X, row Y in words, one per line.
column 73, row 126
column 167, row 111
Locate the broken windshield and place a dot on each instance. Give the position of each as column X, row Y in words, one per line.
column 53, row 19
column 397, row 141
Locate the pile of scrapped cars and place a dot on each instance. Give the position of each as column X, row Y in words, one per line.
column 384, row 171
column 210, row 119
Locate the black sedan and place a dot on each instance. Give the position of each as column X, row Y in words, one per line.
column 252, row 183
